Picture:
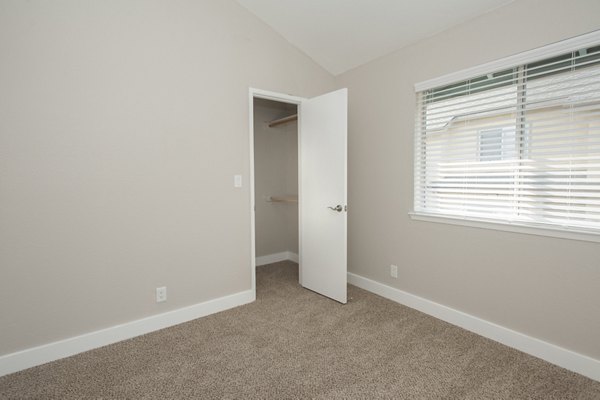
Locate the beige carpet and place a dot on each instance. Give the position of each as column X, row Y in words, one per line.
column 292, row 343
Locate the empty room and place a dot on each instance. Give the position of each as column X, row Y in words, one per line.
column 299, row 199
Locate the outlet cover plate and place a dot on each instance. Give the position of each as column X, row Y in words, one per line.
column 161, row 294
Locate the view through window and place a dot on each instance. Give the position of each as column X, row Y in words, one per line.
column 517, row 145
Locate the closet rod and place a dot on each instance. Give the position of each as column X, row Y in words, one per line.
column 283, row 120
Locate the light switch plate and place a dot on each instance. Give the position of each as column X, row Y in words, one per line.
column 237, row 181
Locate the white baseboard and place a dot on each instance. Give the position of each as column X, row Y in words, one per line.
column 562, row 357
column 293, row 257
column 277, row 257
column 64, row 348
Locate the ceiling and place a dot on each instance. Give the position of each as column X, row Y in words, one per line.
column 343, row 34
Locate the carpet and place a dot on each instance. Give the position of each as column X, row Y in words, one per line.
column 293, row 343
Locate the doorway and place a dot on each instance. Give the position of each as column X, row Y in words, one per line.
column 303, row 184
column 276, row 181
column 274, row 184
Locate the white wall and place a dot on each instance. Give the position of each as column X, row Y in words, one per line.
column 122, row 123
column 544, row 287
column 275, row 174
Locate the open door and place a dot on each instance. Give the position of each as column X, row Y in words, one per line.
column 323, row 195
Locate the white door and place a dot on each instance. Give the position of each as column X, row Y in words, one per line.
column 323, row 218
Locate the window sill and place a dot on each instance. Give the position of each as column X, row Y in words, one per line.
column 571, row 234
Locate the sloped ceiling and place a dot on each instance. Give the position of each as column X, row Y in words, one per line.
column 343, row 34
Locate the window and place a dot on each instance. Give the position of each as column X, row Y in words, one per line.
column 517, row 145
column 497, row 143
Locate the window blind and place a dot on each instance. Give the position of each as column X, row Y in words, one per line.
column 520, row 144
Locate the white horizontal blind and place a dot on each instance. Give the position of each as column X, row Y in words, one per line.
column 520, row 144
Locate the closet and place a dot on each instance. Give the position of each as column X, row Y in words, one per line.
column 275, row 180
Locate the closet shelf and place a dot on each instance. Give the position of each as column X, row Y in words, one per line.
column 283, row 199
column 283, row 120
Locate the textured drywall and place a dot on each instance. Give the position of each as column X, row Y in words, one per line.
column 122, row 124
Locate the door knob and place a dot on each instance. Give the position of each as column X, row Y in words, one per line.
column 337, row 208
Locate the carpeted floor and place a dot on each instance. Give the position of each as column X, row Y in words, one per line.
column 293, row 343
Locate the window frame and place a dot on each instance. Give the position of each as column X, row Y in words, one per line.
column 553, row 50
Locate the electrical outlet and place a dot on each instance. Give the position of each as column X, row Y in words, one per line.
column 161, row 294
column 394, row 271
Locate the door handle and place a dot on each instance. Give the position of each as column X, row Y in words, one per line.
column 337, row 208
